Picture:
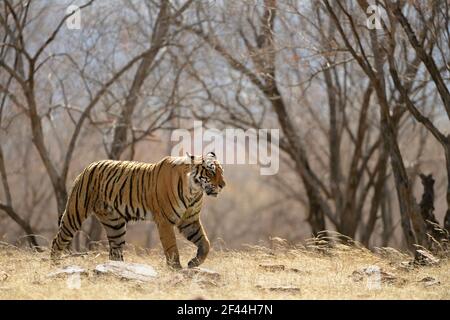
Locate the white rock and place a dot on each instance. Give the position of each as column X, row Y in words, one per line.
column 127, row 270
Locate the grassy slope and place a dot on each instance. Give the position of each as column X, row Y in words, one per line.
column 319, row 276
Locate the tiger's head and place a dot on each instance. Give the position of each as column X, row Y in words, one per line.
column 207, row 173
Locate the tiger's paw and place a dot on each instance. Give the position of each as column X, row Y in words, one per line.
column 56, row 254
column 194, row 263
column 116, row 256
column 174, row 265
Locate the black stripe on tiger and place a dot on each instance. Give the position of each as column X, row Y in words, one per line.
column 88, row 186
column 71, row 222
column 112, row 175
column 115, row 227
column 77, row 208
column 180, row 192
column 181, row 228
column 192, row 235
column 117, row 236
column 199, row 238
column 130, row 191
column 173, row 208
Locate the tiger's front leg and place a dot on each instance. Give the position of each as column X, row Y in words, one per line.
column 169, row 243
column 194, row 232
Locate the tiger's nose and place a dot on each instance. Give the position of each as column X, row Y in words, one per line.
column 222, row 184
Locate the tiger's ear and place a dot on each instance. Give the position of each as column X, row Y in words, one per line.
column 191, row 157
column 211, row 155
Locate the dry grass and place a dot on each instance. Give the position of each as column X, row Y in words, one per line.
column 325, row 275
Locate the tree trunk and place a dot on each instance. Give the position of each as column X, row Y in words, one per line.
column 408, row 206
column 378, row 193
column 158, row 40
column 447, row 162
column 386, row 214
column 316, row 218
column 348, row 220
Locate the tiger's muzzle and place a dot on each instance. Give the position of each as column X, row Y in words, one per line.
column 213, row 191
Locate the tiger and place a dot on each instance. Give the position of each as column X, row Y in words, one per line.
column 169, row 192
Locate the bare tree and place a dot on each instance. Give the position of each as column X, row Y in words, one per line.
column 362, row 113
column 23, row 62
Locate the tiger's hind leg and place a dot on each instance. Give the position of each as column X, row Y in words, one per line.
column 116, row 228
column 70, row 223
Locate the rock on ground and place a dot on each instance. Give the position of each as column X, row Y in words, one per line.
column 127, row 270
